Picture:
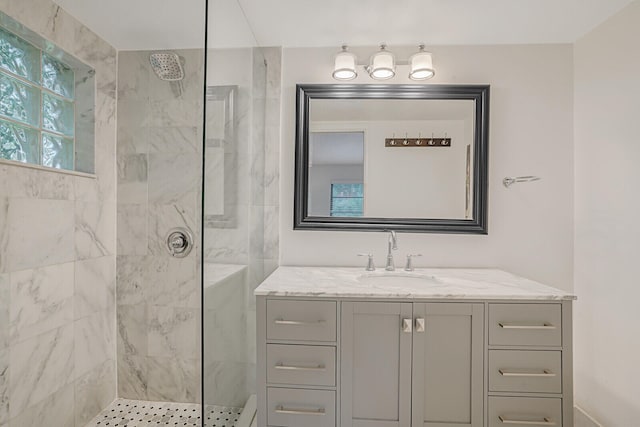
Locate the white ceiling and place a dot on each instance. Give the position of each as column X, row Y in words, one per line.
column 173, row 24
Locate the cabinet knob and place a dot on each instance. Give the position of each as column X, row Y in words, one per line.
column 406, row 325
column 419, row 325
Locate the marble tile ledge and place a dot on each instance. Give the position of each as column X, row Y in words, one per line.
column 432, row 283
column 215, row 273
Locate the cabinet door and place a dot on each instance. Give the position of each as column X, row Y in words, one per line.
column 448, row 365
column 375, row 364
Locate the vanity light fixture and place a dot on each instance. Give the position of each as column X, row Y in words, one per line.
column 421, row 65
column 382, row 65
column 345, row 65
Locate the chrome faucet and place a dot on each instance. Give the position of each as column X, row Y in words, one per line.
column 392, row 246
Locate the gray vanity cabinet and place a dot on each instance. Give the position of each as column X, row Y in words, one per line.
column 376, row 364
column 350, row 362
column 447, row 365
column 411, row 364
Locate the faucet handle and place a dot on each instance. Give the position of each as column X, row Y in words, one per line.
column 370, row 266
column 409, row 265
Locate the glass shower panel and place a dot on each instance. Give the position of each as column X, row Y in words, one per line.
column 233, row 211
column 233, row 223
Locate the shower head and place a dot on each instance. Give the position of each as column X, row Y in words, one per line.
column 167, row 66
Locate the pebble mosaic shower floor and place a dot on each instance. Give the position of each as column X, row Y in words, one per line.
column 138, row 413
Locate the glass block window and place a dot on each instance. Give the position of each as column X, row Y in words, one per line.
column 37, row 105
column 347, row 200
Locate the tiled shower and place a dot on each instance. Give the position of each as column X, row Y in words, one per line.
column 95, row 315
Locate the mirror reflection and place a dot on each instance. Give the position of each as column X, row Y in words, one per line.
column 391, row 158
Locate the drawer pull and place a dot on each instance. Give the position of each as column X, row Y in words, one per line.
column 544, row 326
column 545, row 373
column 298, row 322
column 299, row 368
column 283, row 410
column 544, row 422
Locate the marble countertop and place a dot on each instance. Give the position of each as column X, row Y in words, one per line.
column 431, row 283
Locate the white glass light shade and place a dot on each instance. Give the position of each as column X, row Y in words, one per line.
column 382, row 65
column 421, row 66
column 345, row 65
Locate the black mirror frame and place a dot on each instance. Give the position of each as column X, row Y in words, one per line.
column 477, row 93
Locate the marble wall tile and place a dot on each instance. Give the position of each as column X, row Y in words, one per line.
column 174, row 139
column 134, row 75
column 272, row 166
column 41, row 300
column 36, row 184
column 133, row 375
column 256, row 231
column 256, row 276
column 94, row 286
column 271, row 232
column 173, row 178
column 133, row 113
column 225, row 383
column 259, row 73
column 173, row 332
column 57, row 409
column 173, row 282
column 105, row 164
column 132, row 229
column 95, row 226
column 215, row 194
column 273, row 57
column 158, row 296
column 270, row 265
column 179, row 112
column 92, row 342
column 163, row 218
column 225, row 320
column 174, row 379
column 132, row 279
column 132, row 330
column 37, row 243
column 228, row 245
column 132, row 140
column 4, row 233
column 132, row 178
column 94, row 391
column 4, row 177
column 4, row 385
column 86, row 189
column 5, row 304
column 40, row 366
column 41, row 232
column 251, row 335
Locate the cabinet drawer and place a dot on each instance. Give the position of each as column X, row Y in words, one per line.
column 525, row 411
column 297, row 408
column 301, row 320
column 525, row 371
column 301, row 365
column 525, row 324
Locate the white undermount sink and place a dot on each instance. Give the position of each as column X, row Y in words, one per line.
column 397, row 278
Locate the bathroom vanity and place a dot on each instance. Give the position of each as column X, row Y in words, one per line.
column 434, row 347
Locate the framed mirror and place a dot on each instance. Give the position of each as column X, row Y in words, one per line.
column 402, row 157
